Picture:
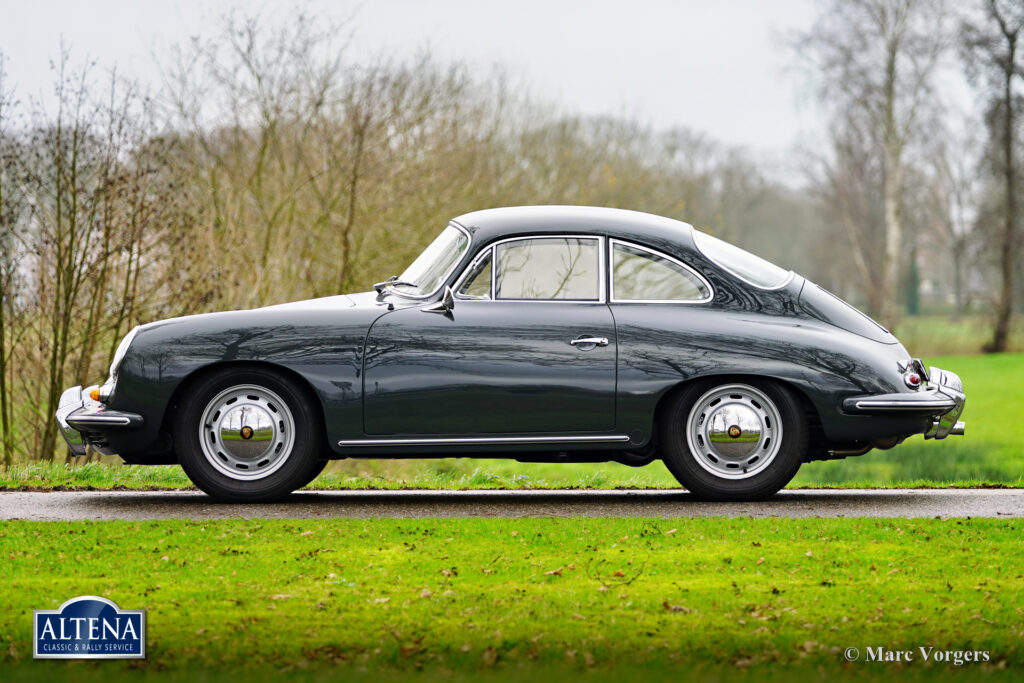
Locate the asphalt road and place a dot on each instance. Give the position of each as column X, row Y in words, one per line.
column 147, row 505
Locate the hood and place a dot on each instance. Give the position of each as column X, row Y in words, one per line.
column 310, row 312
column 326, row 302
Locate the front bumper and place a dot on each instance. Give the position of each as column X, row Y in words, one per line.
column 83, row 421
column 942, row 399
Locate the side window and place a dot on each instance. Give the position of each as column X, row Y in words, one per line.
column 641, row 275
column 548, row 268
column 477, row 284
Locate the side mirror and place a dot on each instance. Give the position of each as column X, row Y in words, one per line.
column 445, row 305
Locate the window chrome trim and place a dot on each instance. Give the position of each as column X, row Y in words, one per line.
column 493, row 249
column 447, row 275
column 469, row 269
column 490, row 441
column 611, row 278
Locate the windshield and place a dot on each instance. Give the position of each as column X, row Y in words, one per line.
column 431, row 267
column 744, row 265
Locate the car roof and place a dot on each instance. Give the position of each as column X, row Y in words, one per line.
column 492, row 224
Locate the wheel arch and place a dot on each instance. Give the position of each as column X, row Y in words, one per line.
column 190, row 380
column 816, row 436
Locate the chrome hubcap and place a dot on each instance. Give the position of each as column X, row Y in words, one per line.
column 734, row 431
column 247, row 432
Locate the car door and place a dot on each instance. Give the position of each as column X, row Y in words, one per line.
column 528, row 348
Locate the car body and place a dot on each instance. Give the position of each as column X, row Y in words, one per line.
column 536, row 333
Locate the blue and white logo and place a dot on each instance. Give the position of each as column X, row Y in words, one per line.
column 89, row 627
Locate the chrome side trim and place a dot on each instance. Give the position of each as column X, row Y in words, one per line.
column 910, row 405
column 77, row 420
column 489, row 441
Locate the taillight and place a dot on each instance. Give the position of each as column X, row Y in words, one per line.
column 912, row 379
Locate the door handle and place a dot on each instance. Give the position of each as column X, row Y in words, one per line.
column 590, row 341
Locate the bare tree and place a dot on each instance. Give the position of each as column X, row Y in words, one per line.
column 86, row 205
column 950, row 202
column 873, row 62
column 11, row 210
column 846, row 180
column 992, row 48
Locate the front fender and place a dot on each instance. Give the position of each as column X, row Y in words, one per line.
column 323, row 347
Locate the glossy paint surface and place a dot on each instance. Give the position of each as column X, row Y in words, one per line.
column 382, row 367
column 490, row 367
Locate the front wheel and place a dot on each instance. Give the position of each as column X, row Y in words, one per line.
column 734, row 440
column 248, row 436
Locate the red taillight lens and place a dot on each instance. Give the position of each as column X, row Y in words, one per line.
column 912, row 379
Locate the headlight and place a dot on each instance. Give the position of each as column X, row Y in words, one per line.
column 122, row 349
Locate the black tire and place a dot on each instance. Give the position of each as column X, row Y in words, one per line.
column 706, row 476
column 296, row 463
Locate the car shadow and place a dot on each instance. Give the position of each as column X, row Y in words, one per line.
column 542, row 503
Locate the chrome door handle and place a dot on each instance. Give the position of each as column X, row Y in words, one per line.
column 587, row 341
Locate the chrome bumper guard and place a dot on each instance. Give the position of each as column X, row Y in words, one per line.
column 79, row 418
column 947, row 423
column 942, row 399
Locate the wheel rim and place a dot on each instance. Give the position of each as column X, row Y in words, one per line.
column 247, row 432
column 734, row 431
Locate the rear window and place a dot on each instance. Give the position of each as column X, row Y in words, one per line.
column 751, row 269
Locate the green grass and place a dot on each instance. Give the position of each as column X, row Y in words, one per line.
column 991, row 453
column 454, row 473
column 636, row 599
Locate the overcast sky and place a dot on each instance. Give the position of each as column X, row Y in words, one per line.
column 716, row 67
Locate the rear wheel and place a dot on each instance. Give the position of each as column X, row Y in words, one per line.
column 741, row 440
column 249, row 436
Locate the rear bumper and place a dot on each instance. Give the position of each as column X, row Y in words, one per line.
column 83, row 421
column 942, row 400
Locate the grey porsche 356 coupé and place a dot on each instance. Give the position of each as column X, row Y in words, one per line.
column 544, row 334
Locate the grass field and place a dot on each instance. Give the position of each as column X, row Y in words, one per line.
column 992, row 453
column 636, row 599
